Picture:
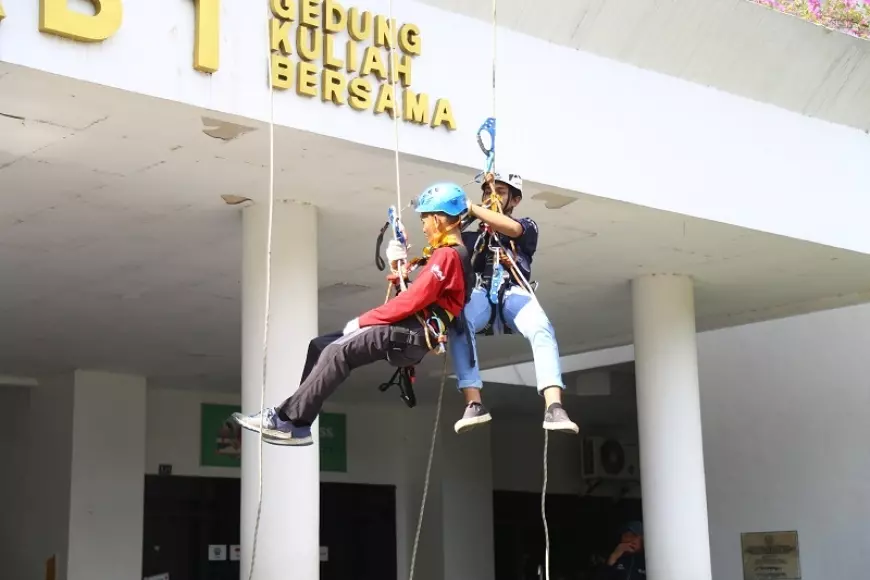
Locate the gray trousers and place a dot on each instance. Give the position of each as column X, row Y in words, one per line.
column 332, row 357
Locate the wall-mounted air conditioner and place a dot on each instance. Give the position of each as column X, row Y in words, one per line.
column 607, row 458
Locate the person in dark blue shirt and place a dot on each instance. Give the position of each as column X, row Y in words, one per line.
column 501, row 304
column 627, row 561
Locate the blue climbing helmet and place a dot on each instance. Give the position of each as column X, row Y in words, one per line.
column 446, row 198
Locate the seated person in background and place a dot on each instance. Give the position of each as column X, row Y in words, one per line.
column 627, row 561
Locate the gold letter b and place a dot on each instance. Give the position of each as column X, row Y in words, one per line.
column 56, row 18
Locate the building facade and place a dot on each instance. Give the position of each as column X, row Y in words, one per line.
column 703, row 258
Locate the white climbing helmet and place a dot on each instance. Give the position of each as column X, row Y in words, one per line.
column 511, row 179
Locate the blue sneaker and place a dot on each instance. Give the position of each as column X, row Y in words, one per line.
column 275, row 431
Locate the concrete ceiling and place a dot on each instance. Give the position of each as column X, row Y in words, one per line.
column 733, row 45
column 118, row 253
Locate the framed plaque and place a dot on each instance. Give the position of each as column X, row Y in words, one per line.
column 770, row 556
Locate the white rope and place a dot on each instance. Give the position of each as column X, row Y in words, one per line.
column 494, row 58
column 266, row 314
column 428, row 471
column 394, row 38
column 544, row 510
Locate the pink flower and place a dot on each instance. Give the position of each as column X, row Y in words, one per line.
column 815, row 7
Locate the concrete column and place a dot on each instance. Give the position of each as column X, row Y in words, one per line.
column 107, row 480
column 85, row 480
column 469, row 544
column 457, row 540
column 289, row 536
column 669, row 421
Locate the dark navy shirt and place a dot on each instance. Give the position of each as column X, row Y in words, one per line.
column 628, row 567
column 526, row 245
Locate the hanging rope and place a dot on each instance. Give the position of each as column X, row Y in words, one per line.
column 267, row 313
column 516, row 271
column 396, row 231
column 428, row 471
column 494, row 54
column 397, row 226
column 544, row 510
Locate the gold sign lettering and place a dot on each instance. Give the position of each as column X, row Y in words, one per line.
column 306, row 79
column 56, row 18
column 206, row 43
column 386, row 100
column 334, row 87
column 283, row 9
column 329, row 58
column 416, row 107
column 443, row 115
column 282, row 72
column 333, row 17
column 309, row 43
column 309, row 14
column 351, row 60
column 279, row 36
column 373, row 70
column 409, row 39
column 360, row 90
column 372, row 63
column 377, row 50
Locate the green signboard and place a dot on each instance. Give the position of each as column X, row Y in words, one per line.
column 218, row 445
column 333, row 442
column 220, row 448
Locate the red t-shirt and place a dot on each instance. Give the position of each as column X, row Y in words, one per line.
column 441, row 282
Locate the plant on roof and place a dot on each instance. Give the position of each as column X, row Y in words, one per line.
column 849, row 16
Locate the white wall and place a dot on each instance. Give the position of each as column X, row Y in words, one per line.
column 636, row 136
column 15, row 402
column 374, row 436
column 49, row 462
column 517, row 462
column 173, row 431
column 107, row 482
column 786, row 417
column 517, row 458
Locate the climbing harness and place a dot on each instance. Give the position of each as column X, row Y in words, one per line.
column 403, row 378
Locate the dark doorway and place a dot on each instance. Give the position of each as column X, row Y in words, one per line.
column 184, row 515
column 358, row 528
column 582, row 530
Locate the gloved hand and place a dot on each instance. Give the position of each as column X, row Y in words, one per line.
column 351, row 326
column 396, row 251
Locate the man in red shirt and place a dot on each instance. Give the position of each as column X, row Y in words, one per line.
column 392, row 332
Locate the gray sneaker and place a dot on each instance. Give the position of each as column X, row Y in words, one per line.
column 276, row 431
column 556, row 419
column 475, row 414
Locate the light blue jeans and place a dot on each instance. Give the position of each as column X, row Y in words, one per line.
column 523, row 314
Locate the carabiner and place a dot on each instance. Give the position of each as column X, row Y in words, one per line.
column 398, row 229
column 488, row 127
